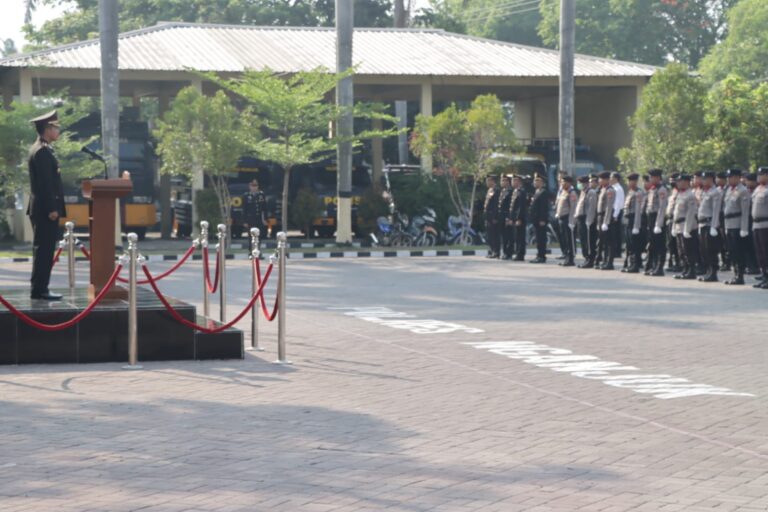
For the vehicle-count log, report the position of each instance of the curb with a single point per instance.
(309, 255)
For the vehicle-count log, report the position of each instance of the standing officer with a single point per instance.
(618, 213)
(491, 210)
(505, 225)
(633, 209)
(255, 209)
(565, 212)
(685, 226)
(675, 263)
(539, 215)
(655, 209)
(760, 224)
(736, 214)
(721, 181)
(605, 215)
(46, 203)
(710, 206)
(518, 210)
(750, 181)
(581, 218)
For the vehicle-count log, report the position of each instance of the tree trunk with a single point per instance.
(472, 202)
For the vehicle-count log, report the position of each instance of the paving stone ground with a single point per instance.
(370, 417)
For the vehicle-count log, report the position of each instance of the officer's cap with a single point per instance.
(656, 172)
(616, 175)
(567, 178)
(674, 177)
(646, 177)
(593, 177)
(604, 175)
(699, 174)
(584, 179)
(254, 182)
(762, 171)
(51, 118)
(722, 175)
(707, 174)
(751, 177)
(633, 177)
(684, 177)
(733, 172)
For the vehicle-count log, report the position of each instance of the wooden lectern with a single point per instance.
(102, 195)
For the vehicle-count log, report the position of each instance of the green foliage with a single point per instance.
(669, 123)
(744, 52)
(737, 116)
(207, 206)
(207, 133)
(647, 31)
(307, 206)
(465, 143)
(372, 206)
(82, 22)
(414, 192)
(17, 134)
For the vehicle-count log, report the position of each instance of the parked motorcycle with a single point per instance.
(391, 232)
(423, 228)
(460, 231)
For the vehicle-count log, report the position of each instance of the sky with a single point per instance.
(12, 19)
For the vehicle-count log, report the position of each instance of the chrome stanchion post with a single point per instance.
(222, 250)
(255, 255)
(133, 340)
(69, 240)
(282, 238)
(204, 245)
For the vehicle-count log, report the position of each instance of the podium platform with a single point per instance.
(102, 336)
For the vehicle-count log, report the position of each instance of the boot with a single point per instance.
(709, 278)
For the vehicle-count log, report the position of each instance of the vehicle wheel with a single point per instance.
(429, 240)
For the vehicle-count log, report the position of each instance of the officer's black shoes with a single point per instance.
(761, 286)
(735, 281)
(506, 257)
(711, 278)
(587, 264)
(567, 263)
(519, 258)
(538, 260)
(491, 256)
(631, 270)
(561, 257)
(657, 273)
(607, 267)
(45, 296)
(689, 275)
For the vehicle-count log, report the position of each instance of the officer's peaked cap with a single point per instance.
(51, 118)
(656, 172)
(633, 177)
(605, 175)
(762, 171)
(733, 172)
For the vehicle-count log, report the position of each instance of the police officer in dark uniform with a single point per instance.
(46, 203)
(491, 210)
(505, 225)
(255, 208)
(518, 215)
(539, 216)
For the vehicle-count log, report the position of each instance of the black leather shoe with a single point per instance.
(657, 273)
(587, 264)
(633, 270)
(568, 263)
(46, 296)
(607, 267)
(711, 278)
(761, 286)
(735, 280)
(519, 258)
(506, 257)
(538, 260)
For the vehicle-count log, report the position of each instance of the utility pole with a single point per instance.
(567, 87)
(110, 85)
(110, 95)
(401, 107)
(345, 102)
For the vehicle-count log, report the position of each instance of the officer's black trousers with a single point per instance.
(541, 240)
(634, 257)
(710, 249)
(507, 239)
(686, 248)
(675, 256)
(737, 251)
(657, 248)
(604, 244)
(761, 248)
(566, 238)
(494, 236)
(616, 234)
(520, 242)
(588, 239)
(46, 234)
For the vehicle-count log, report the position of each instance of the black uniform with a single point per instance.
(46, 197)
(518, 210)
(507, 232)
(491, 210)
(254, 207)
(539, 217)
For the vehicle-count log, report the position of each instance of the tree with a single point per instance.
(9, 47)
(647, 31)
(292, 115)
(737, 117)
(465, 144)
(669, 123)
(744, 52)
(82, 22)
(201, 132)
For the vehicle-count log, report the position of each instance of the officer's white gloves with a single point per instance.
(743, 234)
(635, 231)
(686, 234)
(571, 226)
(712, 232)
(656, 230)
(604, 227)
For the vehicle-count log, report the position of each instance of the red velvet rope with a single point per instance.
(193, 325)
(269, 316)
(56, 256)
(215, 286)
(168, 272)
(85, 252)
(69, 323)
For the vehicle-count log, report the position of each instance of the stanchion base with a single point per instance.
(254, 349)
(133, 367)
(282, 362)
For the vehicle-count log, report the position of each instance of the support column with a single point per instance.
(377, 147)
(22, 227)
(198, 178)
(426, 111)
(164, 101)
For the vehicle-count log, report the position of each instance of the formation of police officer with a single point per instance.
(255, 208)
(699, 224)
(46, 203)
